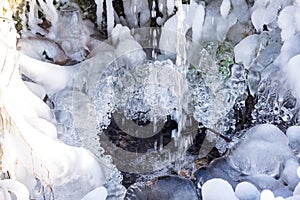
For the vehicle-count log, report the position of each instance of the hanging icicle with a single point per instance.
(110, 16)
(99, 12)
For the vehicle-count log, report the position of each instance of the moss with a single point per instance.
(88, 9)
(18, 11)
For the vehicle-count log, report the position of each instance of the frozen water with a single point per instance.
(267, 195)
(216, 83)
(261, 141)
(99, 193)
(246, 50)
(293, 133)
(215, 189)
(247, 191)
(225, 8)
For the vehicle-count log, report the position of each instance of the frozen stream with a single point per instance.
(162, 99)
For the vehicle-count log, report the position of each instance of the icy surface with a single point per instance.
(99, 193)
(268, 65)
(246, 191)
(264, 158)
(217, 189)
(246, 50)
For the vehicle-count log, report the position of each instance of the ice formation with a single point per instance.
(231, 65)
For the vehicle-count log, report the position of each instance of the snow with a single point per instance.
(216, 189)
(246, 191)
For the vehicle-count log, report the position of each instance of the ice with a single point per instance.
(288, 21)
(225, 8)
(99, 193)
(261, 140)
(36, 89)
(293, 134)
(216, 189)
(265, 13)
(126, 47)
(99, 11)
(297, 190)
(168, 38)
(131, 51)
(241, 10)
(289, 49)
(42, 49)
(292, 69)
(198, 22)
(296, 197)
(51, 77)
(289, 174)
(110, 16)
(170, 6)
(12, 188)
(247, 191)
(137, 13)
(246, 50)
(71, 33)
(267, 195)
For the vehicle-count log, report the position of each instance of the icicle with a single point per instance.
(49, 10)
(110, 16)
(33, 19)
(198, 22)
(99, 12)
(170, 6)
(180, 43)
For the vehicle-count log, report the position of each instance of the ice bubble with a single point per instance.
(216, 189)
(246, 191)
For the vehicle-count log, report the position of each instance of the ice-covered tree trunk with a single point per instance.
(31, 150)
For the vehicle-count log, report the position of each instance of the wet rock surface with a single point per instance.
(165, 187)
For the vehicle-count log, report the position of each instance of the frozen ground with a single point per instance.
(164, 99)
